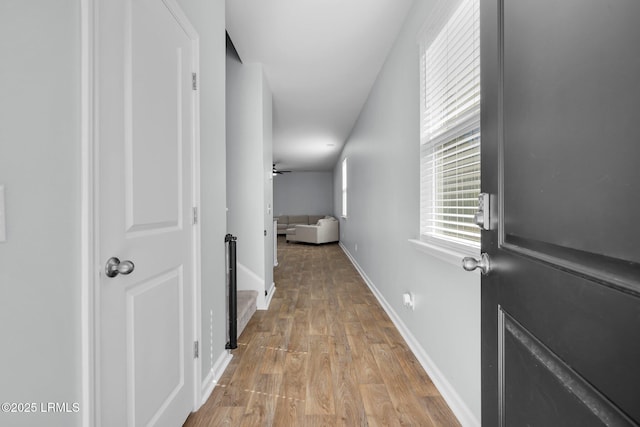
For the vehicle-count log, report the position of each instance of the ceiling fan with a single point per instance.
(277, 171)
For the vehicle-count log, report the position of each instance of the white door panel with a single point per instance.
(156, 84)
(146, 143)
(155, 360)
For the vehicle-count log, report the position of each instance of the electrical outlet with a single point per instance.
(356, 247)
(408, 300)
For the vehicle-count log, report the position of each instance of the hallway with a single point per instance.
(324, 354)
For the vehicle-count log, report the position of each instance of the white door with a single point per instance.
(146, 142)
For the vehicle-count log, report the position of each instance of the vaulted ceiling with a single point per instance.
(320, 59)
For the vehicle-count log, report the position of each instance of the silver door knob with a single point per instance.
(470, 264)
(115, 267)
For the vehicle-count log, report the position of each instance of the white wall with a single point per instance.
(383, 177)
(208, 17)
(267, 178)
(40, 288)
(249, 173)
(40, 165)
(303, 193)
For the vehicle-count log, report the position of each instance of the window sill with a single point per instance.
(452, 256)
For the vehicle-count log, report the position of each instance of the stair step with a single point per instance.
(246, 307)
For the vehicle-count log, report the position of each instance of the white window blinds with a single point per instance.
(450, 128)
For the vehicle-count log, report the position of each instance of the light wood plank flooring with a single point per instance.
(324, 354)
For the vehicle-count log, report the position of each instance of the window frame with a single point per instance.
(442, 20)
(344, 188)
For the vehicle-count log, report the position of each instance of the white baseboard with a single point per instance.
(270, 292)
(448, 392)
(209, 383)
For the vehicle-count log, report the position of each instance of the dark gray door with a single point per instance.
(561, 160)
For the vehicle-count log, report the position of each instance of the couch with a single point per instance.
(288, 221)
(326, 230)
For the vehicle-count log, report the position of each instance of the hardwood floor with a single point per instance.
(324, 354)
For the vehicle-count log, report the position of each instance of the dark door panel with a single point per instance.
(540, 389)
(571, 114)
(560, 153)
(591, 327)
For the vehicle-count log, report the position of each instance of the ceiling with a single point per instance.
(320, 58)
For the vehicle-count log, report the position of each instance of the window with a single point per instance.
(344, 187)
(450, 127)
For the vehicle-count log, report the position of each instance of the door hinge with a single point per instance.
(194, 81)
(195, 215)
(196, 349)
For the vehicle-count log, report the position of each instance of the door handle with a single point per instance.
(115, 267)
(470, 263)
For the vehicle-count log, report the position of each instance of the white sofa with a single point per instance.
(324, 231)
(289, 221)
